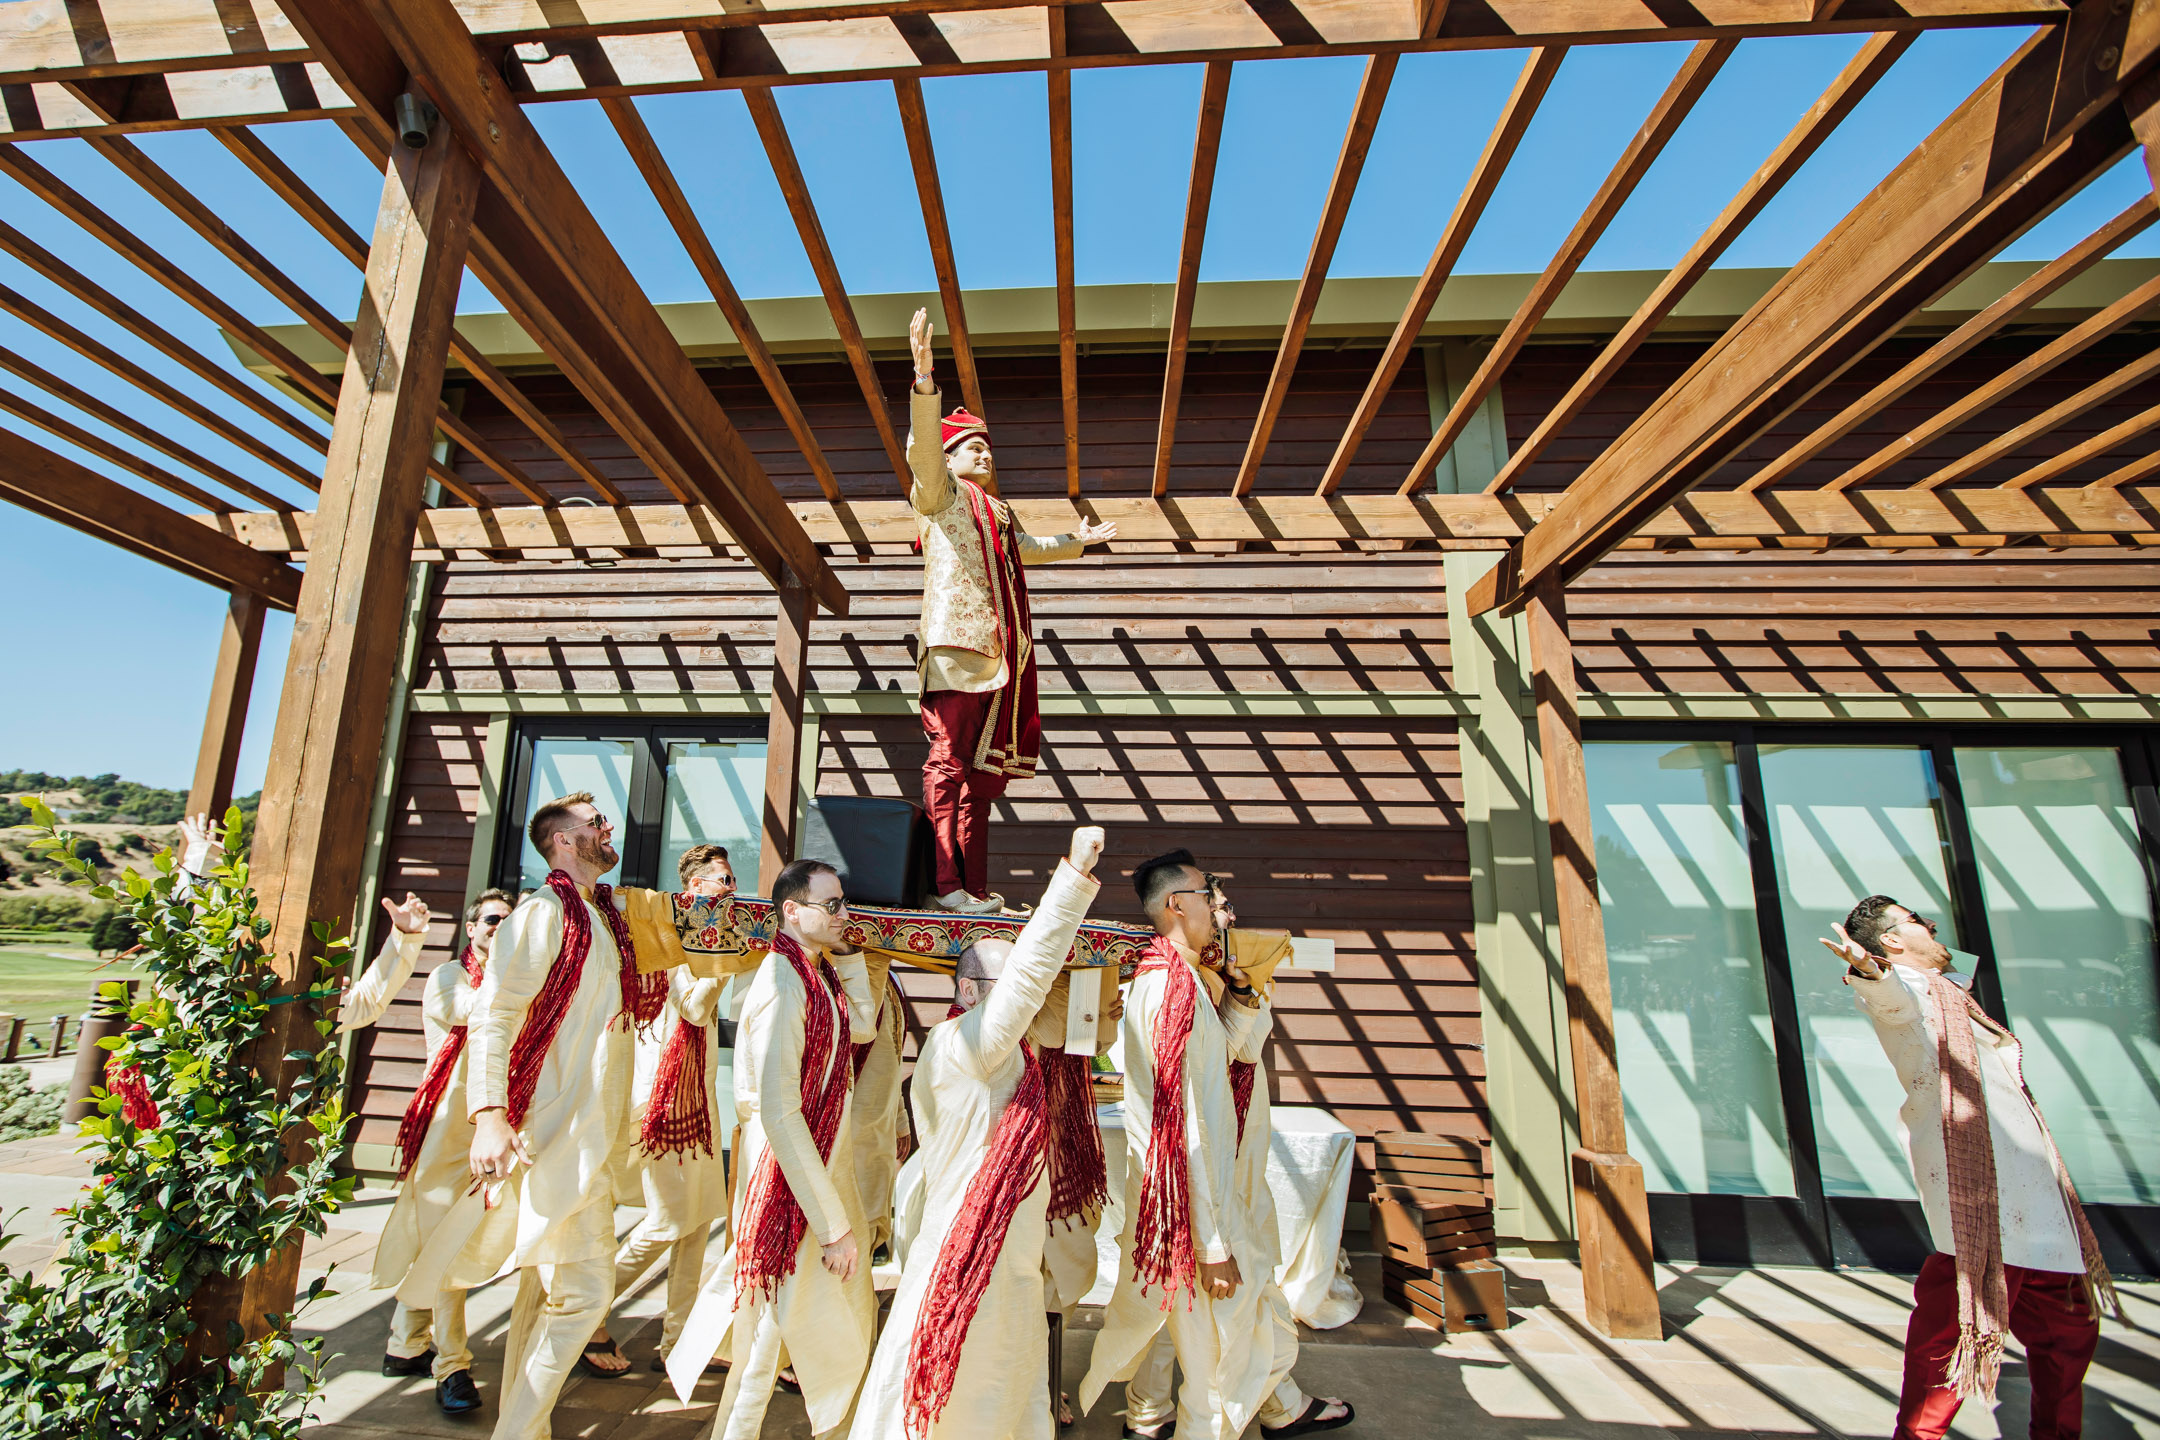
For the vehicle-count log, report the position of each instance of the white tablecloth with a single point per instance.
(1309, 1176)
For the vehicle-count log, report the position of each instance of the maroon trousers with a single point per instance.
(2048, 1315)
(956, 795)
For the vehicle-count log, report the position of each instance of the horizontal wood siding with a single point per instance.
(427, 851)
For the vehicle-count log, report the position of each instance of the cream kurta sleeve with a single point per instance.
(1888, 1000)
(525, 950)
(369, 996)
(451, 997)
(776, 1053)
(696, 1001)
(1203, 1132)
(1245, 1028)
(862, 1003)
(994, 1028)
(930, 487)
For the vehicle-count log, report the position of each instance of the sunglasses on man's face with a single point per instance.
(831, 907)
(491, 921)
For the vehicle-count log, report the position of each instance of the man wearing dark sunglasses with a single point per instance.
(2013, 1251)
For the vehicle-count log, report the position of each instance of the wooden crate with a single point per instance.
(1467, 1297)
(1418, 1161)
(1430, 1229)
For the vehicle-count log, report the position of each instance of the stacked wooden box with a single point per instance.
(1432, 1217)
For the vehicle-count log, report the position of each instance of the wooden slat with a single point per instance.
(2112, 438)
(287, 185)
(922, 155)
(56, 487)
(783, 728)
(539, 248)
(638, 140)
(1852, 85)
(1664, 121)
(765, 113)
(1611, 1213)
(2061, 413)
(232, 684)
(1199, 193)
(1349, 165)
(129, 160)
(1983, 397)
(51, 325)
(129, 425)
(1476, 521)
(1061, 237)
(1507, 133)
(2016, 301)
(2044, 124)
(35, 414)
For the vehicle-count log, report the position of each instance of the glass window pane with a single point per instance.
(1691, 1013)
(715, 796)
(564, 767)
(2070, 912)
(1847, 822)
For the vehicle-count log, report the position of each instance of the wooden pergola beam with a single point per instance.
(1985, 396)
(266, 165)
(1349, 165)
(1061, 245)
(2050, 119)
(34, 414)
(1664, 121)
(2061, 413)
(930, 192)
(54, 486)
(1199, 193)
(787, 170)
(663, 48)
(784, 729)
(232, 683)
(1715, 518)
(2086, 451)
(124, 156)
(134, 428)
(2021, 297)
(644, 151)
(1507, 133)
(538, 247)
(1851, 86)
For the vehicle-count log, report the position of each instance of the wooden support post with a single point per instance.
(13, 1047)
(783, 728)
(1612, 1213)
(230, 686)
(346, 630)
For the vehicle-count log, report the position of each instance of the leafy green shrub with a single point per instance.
(25, 1113)
(188, 1147)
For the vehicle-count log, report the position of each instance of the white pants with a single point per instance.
(558, 1308)
(1148, 1394)
(415, 1332)
(686, 1266)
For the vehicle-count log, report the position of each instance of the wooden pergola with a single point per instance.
(469, 182)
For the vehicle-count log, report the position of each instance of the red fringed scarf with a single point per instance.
(1011, 1169)
(773, 1219)
(642, 995)
(420, 1111)
(1976, 1207)
(678, 1118)
(1162, 1231)
(1241, 1083)
(1011, 743)
(1079, 1175)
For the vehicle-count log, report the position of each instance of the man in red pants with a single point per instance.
(976, 641)
(2013, 1252)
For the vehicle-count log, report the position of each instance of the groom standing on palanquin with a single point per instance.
(976, 657)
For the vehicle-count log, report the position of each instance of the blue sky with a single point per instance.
(112, 667)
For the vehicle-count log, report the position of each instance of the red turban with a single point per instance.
(960, 425)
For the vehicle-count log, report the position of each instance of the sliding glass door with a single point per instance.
(1749, 1074)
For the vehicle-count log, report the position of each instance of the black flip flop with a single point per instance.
(1308, 1423)
(586, 1367)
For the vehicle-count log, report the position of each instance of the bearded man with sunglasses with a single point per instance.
(2013, 1251)
(795, 1283)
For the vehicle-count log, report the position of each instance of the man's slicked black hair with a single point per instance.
(1156, 878)
(794, 881)
(1867, 922)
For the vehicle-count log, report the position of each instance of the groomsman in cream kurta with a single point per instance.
(967, 1323)
(796, 1278)
(1189, 1223)
(878, 1119)
(977, 665)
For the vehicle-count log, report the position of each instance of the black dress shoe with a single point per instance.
(456, 1394)
(408, 1364)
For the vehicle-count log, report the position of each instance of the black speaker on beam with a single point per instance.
(880, 846)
